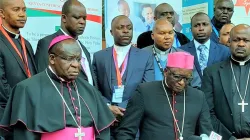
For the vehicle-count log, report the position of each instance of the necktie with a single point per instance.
(84, 66)
(203, 57)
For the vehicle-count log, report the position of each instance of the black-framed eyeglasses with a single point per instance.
(178, 78)
(69, 58)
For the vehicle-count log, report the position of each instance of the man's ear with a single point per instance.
(63, 18)
(52, 59)
(2, 14)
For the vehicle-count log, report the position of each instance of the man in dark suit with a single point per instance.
(73, 22)
(119, 69)
(17, 57)
(226, 86)
(168, 109)
(205, 51)
(162, 10)
(223, 13)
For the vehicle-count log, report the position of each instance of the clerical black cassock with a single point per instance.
(149, 110)
(241, 118)
(36, 111)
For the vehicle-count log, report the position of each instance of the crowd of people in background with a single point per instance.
(164, 87)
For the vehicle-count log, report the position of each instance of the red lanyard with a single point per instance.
(119, 73)
(17, 51)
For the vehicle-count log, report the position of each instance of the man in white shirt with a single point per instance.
(121, 68)
(73, 22)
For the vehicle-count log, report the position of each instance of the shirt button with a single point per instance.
(73, 99)
(176, 110)
(175, 102)
(76, 108)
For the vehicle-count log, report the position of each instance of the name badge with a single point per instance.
(118, 94)
(215, 136)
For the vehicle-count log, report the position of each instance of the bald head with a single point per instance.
(239, 29)
(240, 42)
(73, 20)
(68, 6)
(224, 33)
(13, 14)
(163, 34)
(164, 10)
(122, 30)
(162, 22)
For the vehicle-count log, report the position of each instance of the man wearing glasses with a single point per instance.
(55, 104)
(169, 108)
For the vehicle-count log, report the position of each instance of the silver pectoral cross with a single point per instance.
(79, 134)
(242, 105)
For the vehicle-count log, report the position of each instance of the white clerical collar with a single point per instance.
(197, 44)
(241, 63)
(16, 35)
(55, 74)
(122, 49)
(158, 51)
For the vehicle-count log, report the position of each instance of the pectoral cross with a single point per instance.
(242, 105)
(79, 134)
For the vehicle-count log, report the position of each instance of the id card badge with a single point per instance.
(118, 94)
(215, 136)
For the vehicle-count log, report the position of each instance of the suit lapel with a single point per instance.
(131, 63)
(212, 53)
(108, 62)
(226, 78)
(192, 50)
(12, 50)
(31, 54)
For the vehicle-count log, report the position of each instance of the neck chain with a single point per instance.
(183, 119)
(238, 90)
(158, 59)
(78, 96)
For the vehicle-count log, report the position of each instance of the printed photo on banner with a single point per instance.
(140, 12)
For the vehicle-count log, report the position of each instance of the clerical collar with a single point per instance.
(56, 74)
(122, 49)
(11, 34)
(241, 63)
(66, 33)
(158, 51)
(197, 44)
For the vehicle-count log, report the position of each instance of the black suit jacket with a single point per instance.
(12, 70)
(145, 39)
(217, 86)
(41, 56)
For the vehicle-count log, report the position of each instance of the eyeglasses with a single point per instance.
(69, 58)
(177, 77)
